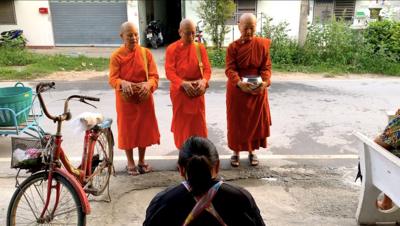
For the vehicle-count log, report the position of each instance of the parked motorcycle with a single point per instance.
(154, 36)
(12, 38)
(199, 33)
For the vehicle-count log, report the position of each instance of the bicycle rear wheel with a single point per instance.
(29, 199)
(102, 162)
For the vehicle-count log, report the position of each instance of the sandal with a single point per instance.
(253, 159)
(132, 171)
(383, 209)
(145, 168)
(235, 161)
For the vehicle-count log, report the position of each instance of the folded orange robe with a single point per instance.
(189, 116)
(137, 123)
(248, 116)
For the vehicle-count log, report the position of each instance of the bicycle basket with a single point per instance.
(26, 153)
(15, 104)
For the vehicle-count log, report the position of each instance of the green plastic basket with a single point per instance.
(17, 99)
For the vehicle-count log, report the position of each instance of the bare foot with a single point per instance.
(384, 204)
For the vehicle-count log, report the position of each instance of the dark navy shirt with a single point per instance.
(234, 204)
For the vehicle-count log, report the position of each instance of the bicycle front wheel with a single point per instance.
(102, 162)
(30, 197)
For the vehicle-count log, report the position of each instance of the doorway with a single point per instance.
(168, 13)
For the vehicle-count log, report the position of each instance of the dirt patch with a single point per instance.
(217, 74)
(74, 75)
(313, 76)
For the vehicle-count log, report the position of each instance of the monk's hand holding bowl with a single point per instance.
(189, 89)
(260, 88)
(126, 87)
(201, 86)
(136, 87)
(245, 86)
(144, 91)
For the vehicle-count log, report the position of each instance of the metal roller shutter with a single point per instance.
(87, 22)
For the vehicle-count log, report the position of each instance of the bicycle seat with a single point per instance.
(87, 120)
(106, 123)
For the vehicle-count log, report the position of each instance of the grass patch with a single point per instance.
(38, 65)
(216, 57)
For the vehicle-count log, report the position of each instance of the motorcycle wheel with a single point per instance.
(154, 43)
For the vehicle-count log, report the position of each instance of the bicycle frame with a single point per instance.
(69, 172)
(77, 177)
(84, 173)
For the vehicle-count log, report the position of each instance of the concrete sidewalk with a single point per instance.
(286, 194)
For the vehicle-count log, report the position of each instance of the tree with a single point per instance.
(215, 14)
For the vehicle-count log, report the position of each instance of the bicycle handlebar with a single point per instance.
(44, 86)
(91, 98)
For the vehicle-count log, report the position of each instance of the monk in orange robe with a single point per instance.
(188, 84)
(248, 114)
(136, 118)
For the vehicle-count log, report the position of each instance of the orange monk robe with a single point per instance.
(248, 116)
(137, 123)
(188, 113)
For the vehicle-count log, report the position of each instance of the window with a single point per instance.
(325, 9)
(7, 12)
(243, 6)
(345, 9)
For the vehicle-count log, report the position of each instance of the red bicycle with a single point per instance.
(56, 192)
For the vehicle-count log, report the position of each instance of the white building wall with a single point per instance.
(191, 10)
(133, 15)
(133, 11)
(37, 27)
(280, 11)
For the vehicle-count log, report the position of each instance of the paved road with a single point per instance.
(311, 117)
(311, 153)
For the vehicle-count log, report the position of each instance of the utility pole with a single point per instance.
(304, 9)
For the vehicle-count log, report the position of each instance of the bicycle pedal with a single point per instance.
(90, 190)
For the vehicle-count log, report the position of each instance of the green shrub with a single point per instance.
(217, 57)
(16, 57)
(384, 36)
(336, 48)
(332, 43)
(284, 50)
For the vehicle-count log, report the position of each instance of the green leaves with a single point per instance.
(384, 36)
(215, 14)
(336, 48)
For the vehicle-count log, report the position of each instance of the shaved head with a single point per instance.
(129, 34)
(186, 23)
(247, 26)
(187, 30)
(247, 17)
(126, 26)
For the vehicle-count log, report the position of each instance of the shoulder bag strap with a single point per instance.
(204, 203)
(198, 53)
(144, 56)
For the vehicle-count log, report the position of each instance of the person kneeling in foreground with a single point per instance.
(202, 199)
(390, 140)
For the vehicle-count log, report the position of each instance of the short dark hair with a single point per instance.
(198, 156)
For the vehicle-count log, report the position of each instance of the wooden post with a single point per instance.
(304, 8)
